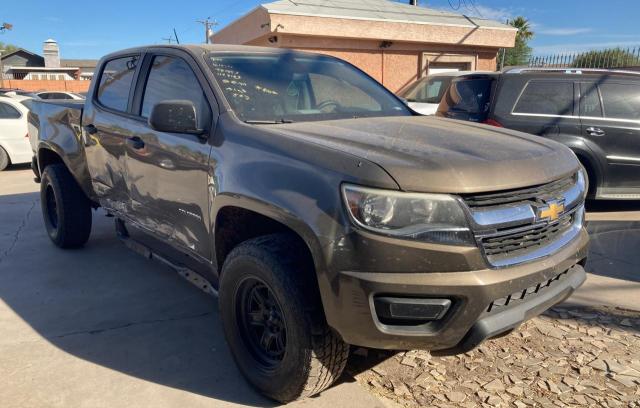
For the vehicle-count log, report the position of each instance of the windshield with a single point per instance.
(290, 88)
(427, 90)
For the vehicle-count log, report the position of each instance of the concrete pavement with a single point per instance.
(104, 327)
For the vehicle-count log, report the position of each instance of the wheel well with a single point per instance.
(591, 174)
(235, 225)
(47, 157)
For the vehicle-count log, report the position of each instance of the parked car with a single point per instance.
(424, 95)
(14, 138)
(59, 95)
(319, 207)
(18, 92)
(594, 112)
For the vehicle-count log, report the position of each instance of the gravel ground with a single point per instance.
(567, 357)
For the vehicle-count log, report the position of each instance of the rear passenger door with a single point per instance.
(168, 173)
(610, 115)
(107, 121)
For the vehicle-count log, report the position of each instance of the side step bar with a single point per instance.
(189, 275)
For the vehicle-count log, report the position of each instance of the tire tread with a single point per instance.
(328, 352)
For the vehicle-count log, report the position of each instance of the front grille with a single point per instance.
(510, 228)
(553, 189)
(513, 242)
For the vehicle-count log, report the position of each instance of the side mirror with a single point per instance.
(175, 116)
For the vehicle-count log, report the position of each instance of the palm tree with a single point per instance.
(521, 52)
(523, 26)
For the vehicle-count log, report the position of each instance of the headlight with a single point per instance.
(583, 182)
(436, 218)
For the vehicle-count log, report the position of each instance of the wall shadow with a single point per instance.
(613, 250)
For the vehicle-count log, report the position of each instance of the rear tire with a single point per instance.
(4, 159)
(284, 349)
(65, 208)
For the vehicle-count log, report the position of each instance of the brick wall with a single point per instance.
(37, 85)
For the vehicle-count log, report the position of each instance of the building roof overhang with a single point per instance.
(367, 19)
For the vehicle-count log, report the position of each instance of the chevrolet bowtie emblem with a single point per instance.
(552, 211)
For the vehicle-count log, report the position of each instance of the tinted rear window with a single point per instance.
(546, 98)
(468, 95)
(8, 112)
(621, 101)
(115, 82)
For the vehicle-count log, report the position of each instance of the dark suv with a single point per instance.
(594, 112)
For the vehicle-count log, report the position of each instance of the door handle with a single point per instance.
(91, 129)
(594, 131)
(135, 142)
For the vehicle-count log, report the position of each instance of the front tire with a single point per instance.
(273, 320)
(65, 208)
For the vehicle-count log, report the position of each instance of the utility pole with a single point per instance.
(208, 28)
(167, 39)
(1, 69)
(4, 27)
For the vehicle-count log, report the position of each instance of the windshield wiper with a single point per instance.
(268, 122)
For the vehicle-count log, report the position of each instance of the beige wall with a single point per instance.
(396, 66)
(259, 22)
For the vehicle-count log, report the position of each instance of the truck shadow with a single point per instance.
(110, 307)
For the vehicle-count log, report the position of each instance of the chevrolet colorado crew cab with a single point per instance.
(319, 207)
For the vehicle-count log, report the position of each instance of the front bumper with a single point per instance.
(484, 303)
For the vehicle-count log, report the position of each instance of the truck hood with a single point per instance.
(429, 154)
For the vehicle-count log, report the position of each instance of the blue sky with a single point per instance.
(91, 29)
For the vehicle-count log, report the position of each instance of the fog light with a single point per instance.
(406, 311)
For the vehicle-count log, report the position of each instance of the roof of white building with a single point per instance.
(378, 10)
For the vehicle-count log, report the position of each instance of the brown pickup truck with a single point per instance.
(322, 210)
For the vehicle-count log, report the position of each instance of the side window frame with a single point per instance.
(574, 93)
(582, 87)
(15, 109)
(145, 70)
(94, 96)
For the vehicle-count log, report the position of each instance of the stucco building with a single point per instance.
(395, 43)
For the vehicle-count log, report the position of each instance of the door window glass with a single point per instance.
(547, 98)
(621, 101)
(8, 112)
(172, 79)
(590, 101)
(115, 82)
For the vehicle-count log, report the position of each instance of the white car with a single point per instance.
(59, 95)
(14, 138)
(423, 96)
